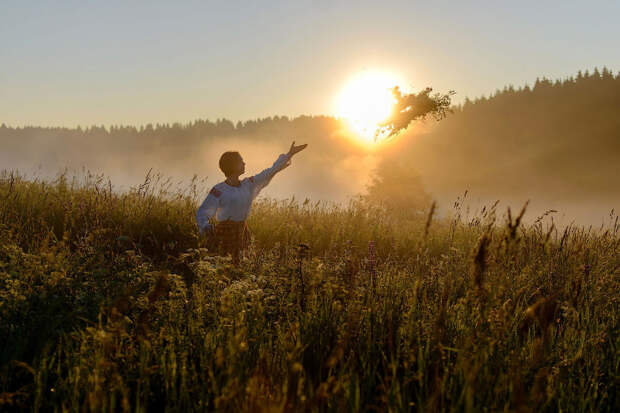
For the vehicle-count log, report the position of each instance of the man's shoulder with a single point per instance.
(217, 189)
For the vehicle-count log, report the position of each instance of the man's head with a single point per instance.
(231, 163)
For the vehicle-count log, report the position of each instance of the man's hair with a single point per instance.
(227, 161)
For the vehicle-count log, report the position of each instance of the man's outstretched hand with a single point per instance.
(294, 149)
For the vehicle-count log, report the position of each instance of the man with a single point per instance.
(230, 201)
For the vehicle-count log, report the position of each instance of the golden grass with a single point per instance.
(110, 302)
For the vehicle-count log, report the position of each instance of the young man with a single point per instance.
(230, 201)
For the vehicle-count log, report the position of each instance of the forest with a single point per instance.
(554, 142)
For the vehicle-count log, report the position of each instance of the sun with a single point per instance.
(366, 100)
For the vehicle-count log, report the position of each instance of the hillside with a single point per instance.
(559, 141)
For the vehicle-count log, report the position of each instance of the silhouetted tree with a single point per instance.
(410, 107)
(398, 187)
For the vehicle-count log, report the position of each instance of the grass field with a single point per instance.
(110, 302)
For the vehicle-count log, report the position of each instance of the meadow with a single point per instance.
(110, 301)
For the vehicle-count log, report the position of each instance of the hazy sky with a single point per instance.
(108, 62)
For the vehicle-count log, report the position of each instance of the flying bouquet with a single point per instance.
(410, 107)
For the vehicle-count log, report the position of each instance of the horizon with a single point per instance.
(80, 64)
(188, 123)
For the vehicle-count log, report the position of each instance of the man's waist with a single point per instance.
(230, 222)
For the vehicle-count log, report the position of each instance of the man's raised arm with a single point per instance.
(262, 179)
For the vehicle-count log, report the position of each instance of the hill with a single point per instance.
(558, 142)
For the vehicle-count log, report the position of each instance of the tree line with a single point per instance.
(556, 139)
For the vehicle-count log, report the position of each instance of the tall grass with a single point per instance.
(109, 301)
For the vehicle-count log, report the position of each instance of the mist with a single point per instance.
(332, 169)
(556, 144)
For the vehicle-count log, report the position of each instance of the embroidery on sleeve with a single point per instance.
(215, 192)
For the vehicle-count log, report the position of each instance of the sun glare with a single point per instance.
(365, 101)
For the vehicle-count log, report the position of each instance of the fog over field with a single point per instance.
(555, 143)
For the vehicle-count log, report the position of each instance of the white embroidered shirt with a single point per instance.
(234, 202)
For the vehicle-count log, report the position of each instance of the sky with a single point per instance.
(69, 63)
